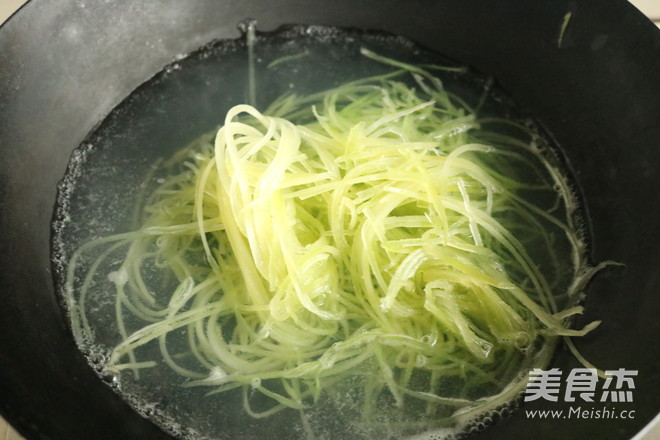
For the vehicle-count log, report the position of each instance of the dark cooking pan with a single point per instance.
(594, 84)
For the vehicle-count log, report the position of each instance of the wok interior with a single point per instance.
(598, 100)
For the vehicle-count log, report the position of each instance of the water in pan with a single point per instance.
(110, 170)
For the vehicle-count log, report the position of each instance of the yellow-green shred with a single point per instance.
(380, 229)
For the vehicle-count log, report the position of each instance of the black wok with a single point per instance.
(595, 86)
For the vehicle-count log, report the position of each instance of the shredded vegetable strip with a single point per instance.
(380, 228)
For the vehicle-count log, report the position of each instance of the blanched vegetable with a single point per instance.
(380, 230)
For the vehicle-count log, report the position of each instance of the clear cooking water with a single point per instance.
(189, 97)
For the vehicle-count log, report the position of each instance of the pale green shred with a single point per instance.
(562, 29)
(380, 228)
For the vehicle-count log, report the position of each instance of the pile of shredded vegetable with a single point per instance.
(379, 230)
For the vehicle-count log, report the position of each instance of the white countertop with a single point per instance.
(7, 7)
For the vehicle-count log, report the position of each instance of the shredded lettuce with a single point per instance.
(381, 229)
